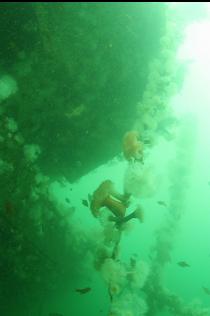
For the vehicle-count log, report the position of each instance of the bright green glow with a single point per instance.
(195, 96)
(197, 44)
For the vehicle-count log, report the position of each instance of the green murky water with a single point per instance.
(104, 159)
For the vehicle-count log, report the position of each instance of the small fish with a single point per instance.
(67, 200)
(162, 203)
(135, 255)
(183, 264)
(132, 262)
(84, 290)
(206, 290)
(85, 203)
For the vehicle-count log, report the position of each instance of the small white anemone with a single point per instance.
(11, 125)
(5, 167)
(8, 86)
(128, 303)
(113, 272)
(139, 275)
(114, 289)
(32, 152)
(139, 180)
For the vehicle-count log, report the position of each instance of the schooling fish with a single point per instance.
(85, 203)
(206, 290)
(183, 264)
(84, 290)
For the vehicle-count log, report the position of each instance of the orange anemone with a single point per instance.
(106, 196)
(132, 147)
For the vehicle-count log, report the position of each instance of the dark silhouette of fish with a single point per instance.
(132, 262)
(206, 290)
(85, 203)
(162, 203)
(84, 290)
(183, 264)
(67, 200)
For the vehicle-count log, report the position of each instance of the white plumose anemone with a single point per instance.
(139, 180)
(8, 86)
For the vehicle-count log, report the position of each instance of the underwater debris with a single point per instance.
(206, 290)
(162, 203)
(85, 203)
(132, 147)
(183, 264)
(106, 196)
(83, 290)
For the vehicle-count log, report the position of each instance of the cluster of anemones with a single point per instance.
(123, 280)
(107, 196)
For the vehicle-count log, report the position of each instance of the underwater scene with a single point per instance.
(105, 159)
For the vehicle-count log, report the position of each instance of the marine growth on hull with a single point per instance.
(98, 145)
